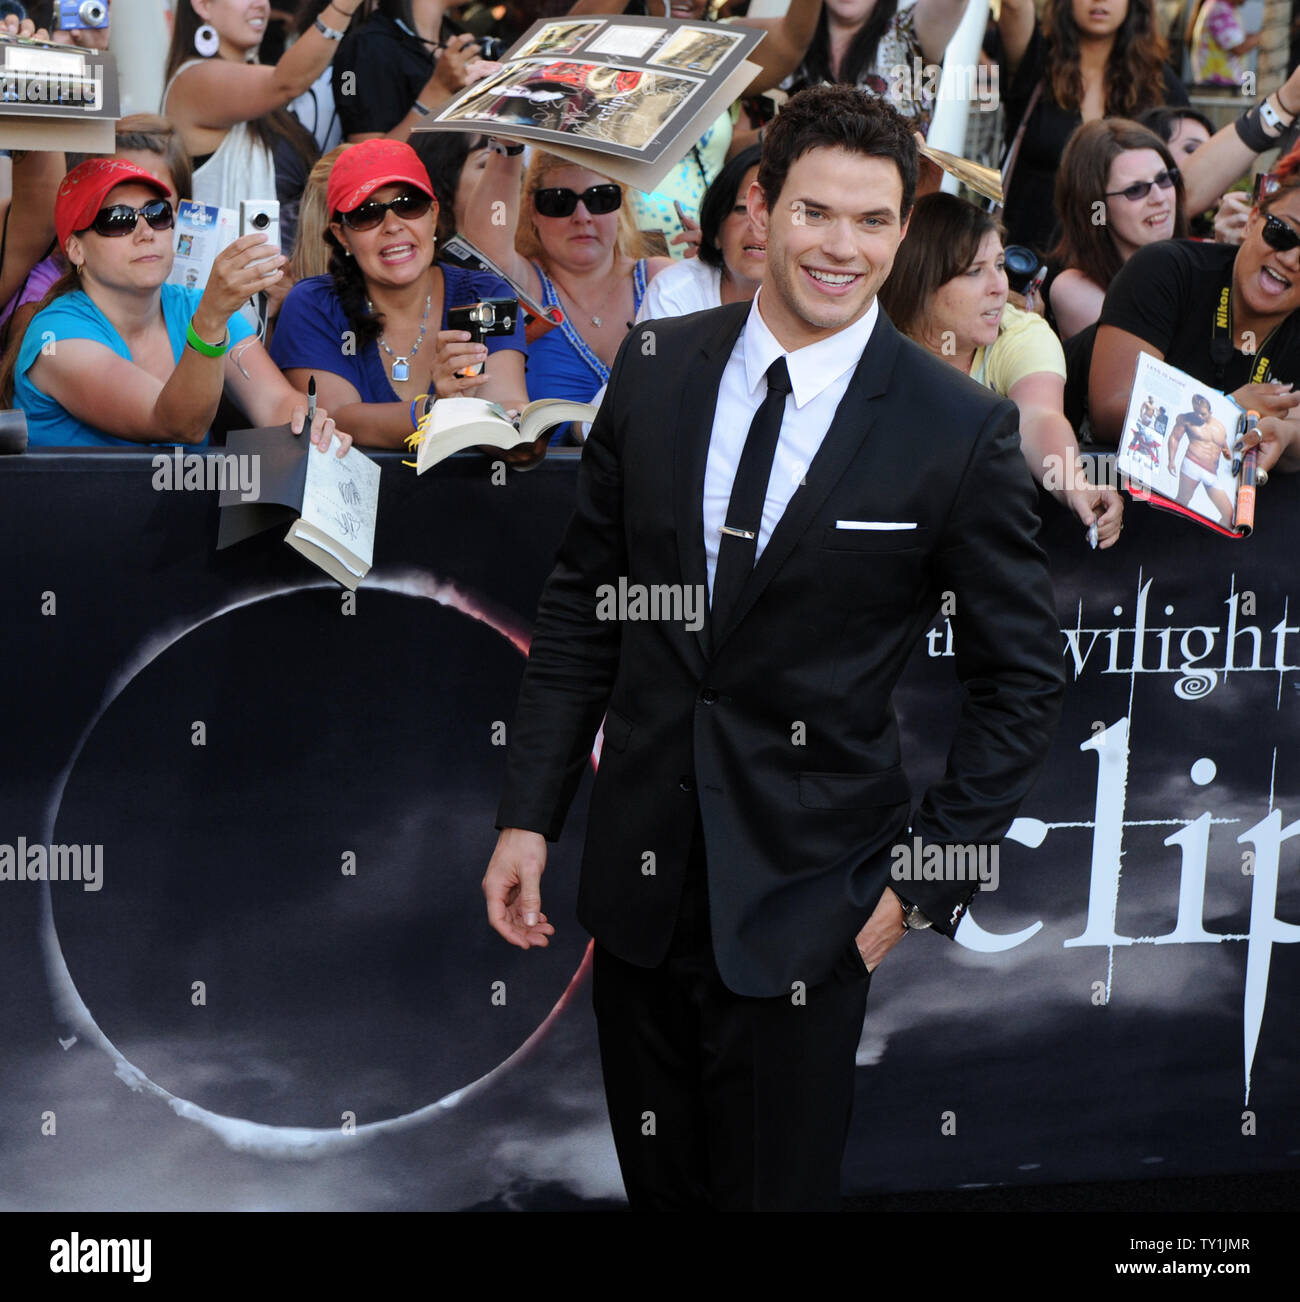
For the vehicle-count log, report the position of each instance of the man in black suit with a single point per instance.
(738, 860)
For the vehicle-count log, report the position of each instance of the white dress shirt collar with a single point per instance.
(812, 367)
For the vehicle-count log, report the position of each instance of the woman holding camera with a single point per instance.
(374, 331)
(948, 291)
(116, 357)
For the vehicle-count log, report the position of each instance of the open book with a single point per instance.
(329, 502)
(1177, 449)
(454, 424)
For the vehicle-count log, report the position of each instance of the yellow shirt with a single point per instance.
(1025, 345)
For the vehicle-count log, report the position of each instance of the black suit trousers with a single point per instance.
(717, 1100)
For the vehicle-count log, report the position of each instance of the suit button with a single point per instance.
(687, 784)
(708, 696)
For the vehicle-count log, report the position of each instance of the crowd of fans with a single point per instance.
(1107, 171)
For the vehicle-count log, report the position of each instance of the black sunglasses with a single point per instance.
(372, 212)
(556, 201)
(1278, 235)
(121, 218)
(1138, 190)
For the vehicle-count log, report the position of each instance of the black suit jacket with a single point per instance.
(779, 726)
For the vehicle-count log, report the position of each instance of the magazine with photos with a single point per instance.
(202, 231)
(623, 96)
(1176, 449)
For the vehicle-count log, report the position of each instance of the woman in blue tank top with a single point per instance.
(571, 242)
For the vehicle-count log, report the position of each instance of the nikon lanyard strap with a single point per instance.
(1223, 342)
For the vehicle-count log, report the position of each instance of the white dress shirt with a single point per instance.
(687, 286)
(819, 377)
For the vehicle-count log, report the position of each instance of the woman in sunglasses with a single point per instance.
(116, 357)
(570, 241)
(948, 291)
(374, 331)
(1227, 316)
(1117, 190)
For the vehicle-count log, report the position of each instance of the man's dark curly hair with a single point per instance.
(837, 117)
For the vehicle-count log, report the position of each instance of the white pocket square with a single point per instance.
(875, 524)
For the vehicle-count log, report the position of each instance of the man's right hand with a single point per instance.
(512, 888)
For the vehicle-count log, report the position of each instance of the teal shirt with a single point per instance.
(75, 316)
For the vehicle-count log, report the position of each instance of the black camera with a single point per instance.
(491, 48)
(1022, 266)
(489, 316)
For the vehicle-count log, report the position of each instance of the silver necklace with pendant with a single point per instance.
(595, 320)
(401, 365)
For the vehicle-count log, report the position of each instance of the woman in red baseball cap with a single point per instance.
(116, 357)
(374, 331)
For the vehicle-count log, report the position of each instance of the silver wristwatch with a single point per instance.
(913, 918)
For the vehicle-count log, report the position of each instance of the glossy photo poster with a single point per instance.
(622, 91)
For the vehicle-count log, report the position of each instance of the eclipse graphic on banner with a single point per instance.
(1194, 660)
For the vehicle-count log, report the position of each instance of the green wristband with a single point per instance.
(202, 346)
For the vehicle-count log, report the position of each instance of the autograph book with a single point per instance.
(1177, 449)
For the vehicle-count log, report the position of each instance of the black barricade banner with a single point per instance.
(245, 816)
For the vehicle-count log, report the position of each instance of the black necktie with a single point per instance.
(739, 540)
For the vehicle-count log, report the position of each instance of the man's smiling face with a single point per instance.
(831, 239)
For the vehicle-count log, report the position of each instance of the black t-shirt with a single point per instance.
(1030, 212)
(1168, 293)
(379, 71)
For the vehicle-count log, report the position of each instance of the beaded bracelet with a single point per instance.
(428, 401)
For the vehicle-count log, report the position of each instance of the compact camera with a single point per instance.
(260, 217)
(489, 316)
(80, 14)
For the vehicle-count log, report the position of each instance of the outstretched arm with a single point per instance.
(935, 22)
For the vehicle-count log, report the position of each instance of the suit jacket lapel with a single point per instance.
(852, 423)
(699, 400)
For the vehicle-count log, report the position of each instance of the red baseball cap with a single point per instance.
(363, 168)
(82, 193)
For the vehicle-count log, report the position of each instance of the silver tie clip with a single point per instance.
(737, 533)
